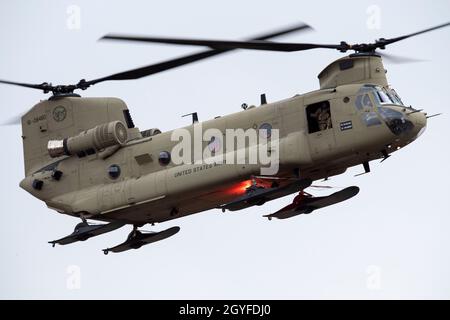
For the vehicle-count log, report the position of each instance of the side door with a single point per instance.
(322, 140)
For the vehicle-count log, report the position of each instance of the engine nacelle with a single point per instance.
(90, 141)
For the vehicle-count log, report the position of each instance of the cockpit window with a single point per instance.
(387, 95)
(394, 119)
(383, 95)
(363, 102)
(370, 119)
(368, 115)
(396, 96)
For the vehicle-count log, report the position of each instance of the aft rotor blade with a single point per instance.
(12, 121)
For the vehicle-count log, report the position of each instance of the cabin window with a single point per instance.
(114, 171)
(164, 158)
(319, 116)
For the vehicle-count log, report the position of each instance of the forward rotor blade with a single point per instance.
(392, 40)
(153, 68)
(283, 31)
(170, 64)
(156, 68)
(268, 45)
(229, 45)
(398, 59)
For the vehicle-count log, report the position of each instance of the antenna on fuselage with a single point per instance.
(263, 99)
(194, 116)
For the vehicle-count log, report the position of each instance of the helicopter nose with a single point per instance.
(419, 119)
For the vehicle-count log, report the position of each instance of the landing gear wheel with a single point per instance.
(137, 239)
(105, 252)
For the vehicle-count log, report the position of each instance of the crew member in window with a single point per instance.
(323, 117)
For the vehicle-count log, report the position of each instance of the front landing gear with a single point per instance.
(137, 239)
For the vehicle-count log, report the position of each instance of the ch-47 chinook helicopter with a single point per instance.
(84, 157)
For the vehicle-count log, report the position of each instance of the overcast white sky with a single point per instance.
(391, 241)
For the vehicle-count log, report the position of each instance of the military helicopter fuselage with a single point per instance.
(99, 166)
(84, 157)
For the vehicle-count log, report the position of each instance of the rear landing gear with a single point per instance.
(133, 235)
(137, 239)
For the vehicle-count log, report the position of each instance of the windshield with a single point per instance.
(384, 95)
(395, 96)
(382, 98)
(387, 96)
